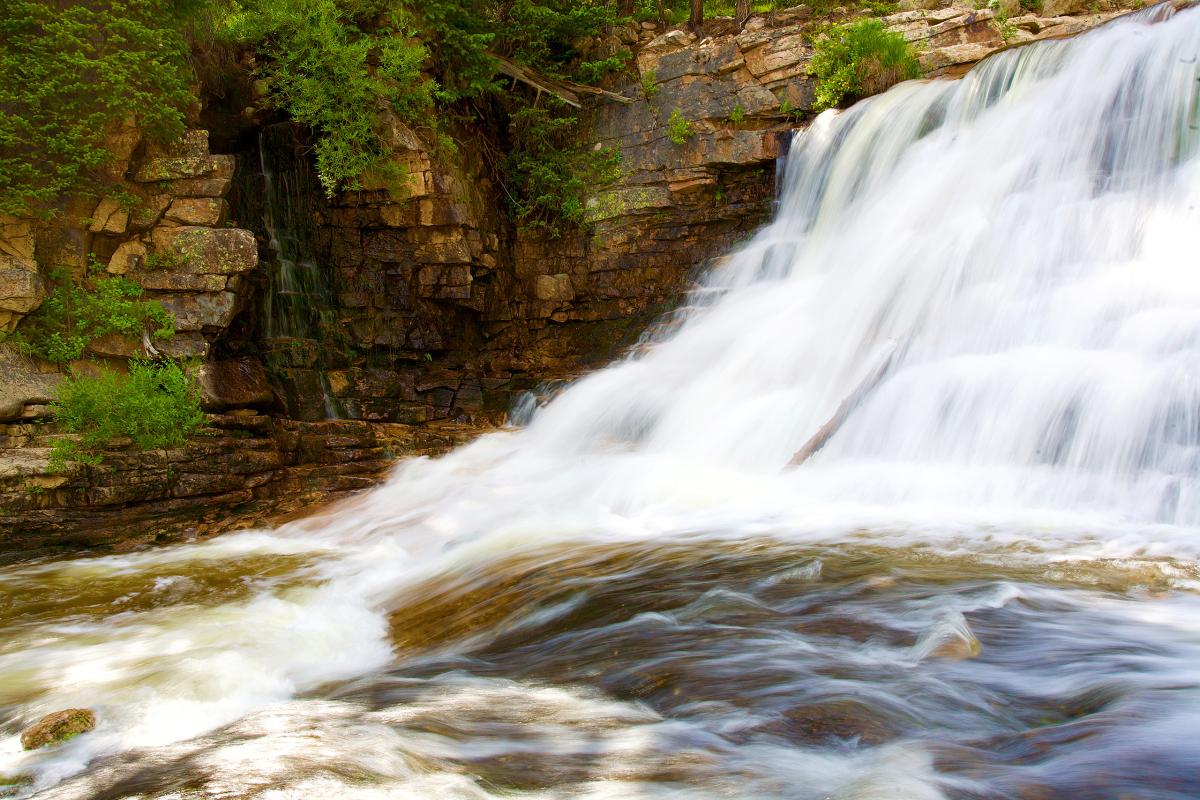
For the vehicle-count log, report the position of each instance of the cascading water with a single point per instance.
(983, 585)
(298, 308)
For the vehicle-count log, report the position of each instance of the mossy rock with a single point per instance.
(58, 727)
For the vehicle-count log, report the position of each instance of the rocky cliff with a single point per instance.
(413, 312)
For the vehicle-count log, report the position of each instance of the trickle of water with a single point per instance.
(982, 585)
(298, 308)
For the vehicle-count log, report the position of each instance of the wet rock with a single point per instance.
(58, 727)
(235, 383)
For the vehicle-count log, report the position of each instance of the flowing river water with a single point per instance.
(984, 585)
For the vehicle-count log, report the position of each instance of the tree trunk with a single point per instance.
(741, 12)
(625, 8)
(662, 12)
(696, 19)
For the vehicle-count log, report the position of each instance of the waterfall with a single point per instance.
(984, 293)
(1024, 239)
(298, 313)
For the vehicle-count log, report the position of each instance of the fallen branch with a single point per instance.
(566, 91)
(848, 404)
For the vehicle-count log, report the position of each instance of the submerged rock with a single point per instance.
(58, 727)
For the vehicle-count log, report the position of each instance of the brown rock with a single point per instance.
(208, 211)
(215, 251)
(22, 383)
(128, 256)
(195, 312)
(232, 384)
(21, 291)
(109, 217)
(149, 211)
(58, 727)
(553, 287)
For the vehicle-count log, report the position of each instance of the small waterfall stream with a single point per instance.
(986, 583)
(298, 314)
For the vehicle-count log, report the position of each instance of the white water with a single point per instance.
(1027, 239)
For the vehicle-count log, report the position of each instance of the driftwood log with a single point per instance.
(848, 404)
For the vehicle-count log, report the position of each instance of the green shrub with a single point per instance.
(156, 405)
(71, 72)
(738, 114)
(549, 178)
(649, 84)
(326, 69)
(679, 129)
(72, 317)
(857, 60)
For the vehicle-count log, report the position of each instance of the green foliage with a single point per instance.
(72, 72)
(327, 69)
(591, 72)
(72, 317)
(857, 60)
(540, 34)
(649, 84)
(156, 404)
(679, 129)
(738, 114)
(549, 178)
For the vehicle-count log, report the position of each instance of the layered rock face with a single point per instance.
(413, 309)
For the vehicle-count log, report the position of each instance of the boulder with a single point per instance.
(58, 727)
(22, 383)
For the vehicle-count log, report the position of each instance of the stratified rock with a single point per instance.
(58, 727)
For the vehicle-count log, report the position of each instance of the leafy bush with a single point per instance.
(72, 317)
(326, 69)
(156, 404)
(70, 72)
(857, 60)
(550, 179)
(679, 129)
